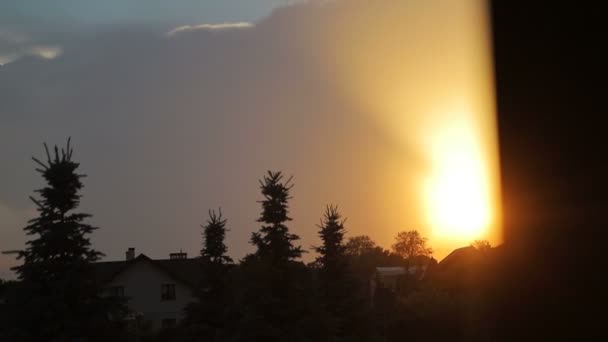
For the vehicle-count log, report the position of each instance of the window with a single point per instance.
(167, 292)
(168, 323)
(116, 291)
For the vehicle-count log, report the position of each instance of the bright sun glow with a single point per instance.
(456, 193)
(434, 98)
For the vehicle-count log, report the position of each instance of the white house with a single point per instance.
(156, 290)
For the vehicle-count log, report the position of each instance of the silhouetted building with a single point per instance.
(464, 269)
(393, 278)
(157, 291)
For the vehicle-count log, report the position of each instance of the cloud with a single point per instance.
(208, 27)
(14, 45)
(46, 52)
(6, 58)
(42, 51)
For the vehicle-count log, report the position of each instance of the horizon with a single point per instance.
(214, 100)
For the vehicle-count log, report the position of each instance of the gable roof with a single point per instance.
(465, 268)
(463, 255)
(187, 271)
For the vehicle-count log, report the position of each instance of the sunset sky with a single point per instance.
(384, 107)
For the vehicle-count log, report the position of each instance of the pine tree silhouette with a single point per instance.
(206, 318)
(60, 298)
(337, 285)
(274, 241)
(276, 303)
(214, 233)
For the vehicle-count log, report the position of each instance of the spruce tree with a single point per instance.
(332, 252)
(214, 233)
(275, 304)
(274, 241)
(206, 317)
(59, 295)
(337, 285)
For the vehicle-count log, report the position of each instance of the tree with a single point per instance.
(338, 290)
(214, 233)
(365, 255)
(59, 298)
(481, 245)
(206, 317)
(4, 313)
(331, 232)
(410, 244)
(412, 247)
(274, 241)
(359, 245)
(276, 304)
(332, 260)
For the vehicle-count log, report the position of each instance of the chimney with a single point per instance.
(180, 255)
(130, 253)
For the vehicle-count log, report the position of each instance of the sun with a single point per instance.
(457, 196)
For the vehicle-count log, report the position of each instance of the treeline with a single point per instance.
(270, 295)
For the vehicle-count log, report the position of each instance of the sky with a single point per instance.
(178, 107)
(101, 13)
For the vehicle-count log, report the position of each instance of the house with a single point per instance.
(393, 278)
(157, 291)
(466, 268)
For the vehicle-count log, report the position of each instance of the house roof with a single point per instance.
(465, 267)
(187, 271)
(458, 256)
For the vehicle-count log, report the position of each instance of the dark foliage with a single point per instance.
(332, 256)
(214, 234)
(338, 291)
(274, 241)
(276, 302)
(410, 244)
(364, 256)
(481, 245)
(268, 296)
(206, 318)
(57, 298)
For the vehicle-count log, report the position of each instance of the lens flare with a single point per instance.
(457, 195)
(422, 72)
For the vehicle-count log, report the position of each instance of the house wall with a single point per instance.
(142, 286)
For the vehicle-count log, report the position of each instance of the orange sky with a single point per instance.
(422, 72)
